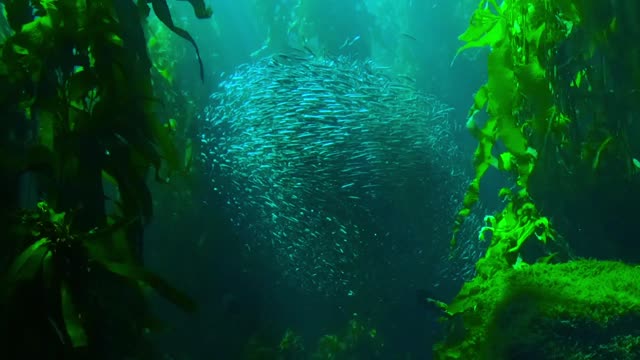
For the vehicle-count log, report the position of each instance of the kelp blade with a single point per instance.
(158, 284)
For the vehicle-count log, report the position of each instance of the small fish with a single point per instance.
(298, 148)
(348, 42)
(408, 36)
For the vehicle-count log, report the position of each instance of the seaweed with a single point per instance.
(82, 138)
(546, 128)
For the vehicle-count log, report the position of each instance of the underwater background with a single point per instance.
(319, 179)
(258, 274)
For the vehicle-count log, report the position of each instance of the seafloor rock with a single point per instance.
(584, 309)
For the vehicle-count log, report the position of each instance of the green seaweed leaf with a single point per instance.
(79, 84)
(72, 320)
(29, 262)
(485, 29)
(48, 271)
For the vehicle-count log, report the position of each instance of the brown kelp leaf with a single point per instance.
(163, 13)
(145, 276)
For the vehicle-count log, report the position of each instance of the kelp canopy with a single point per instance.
(81, 130)
(556, 114)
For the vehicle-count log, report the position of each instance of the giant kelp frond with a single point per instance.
(519, 94)
(58, 255)
(76, 73)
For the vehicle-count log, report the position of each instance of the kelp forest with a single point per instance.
(103, 135)
(84, 131)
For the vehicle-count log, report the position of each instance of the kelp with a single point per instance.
(520, 95)
(57, 255)
(527, 118)
(517, 97)
(357, 339)
(76, 73)
(161, 9)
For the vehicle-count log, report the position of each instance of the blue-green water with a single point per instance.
(332, 159)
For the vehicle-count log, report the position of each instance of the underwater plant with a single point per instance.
(529, 126)
(59, 258)
(80, 136)
(356, 340)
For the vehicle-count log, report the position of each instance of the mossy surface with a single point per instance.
(583, 308)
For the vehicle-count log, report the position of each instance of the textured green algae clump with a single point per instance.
(583, 309)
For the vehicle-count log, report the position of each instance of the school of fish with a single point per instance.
(309, 154)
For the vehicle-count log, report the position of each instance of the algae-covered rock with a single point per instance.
(582, 309)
